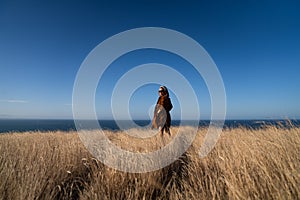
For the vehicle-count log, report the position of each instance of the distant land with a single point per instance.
(23, 125)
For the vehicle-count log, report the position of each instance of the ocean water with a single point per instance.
(23, 125)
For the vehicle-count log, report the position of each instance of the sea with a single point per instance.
(44, 125)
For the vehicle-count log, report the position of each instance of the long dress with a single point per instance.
(162, 117)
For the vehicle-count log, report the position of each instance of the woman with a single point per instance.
(162, 117)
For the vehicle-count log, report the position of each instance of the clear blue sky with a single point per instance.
(255, 44)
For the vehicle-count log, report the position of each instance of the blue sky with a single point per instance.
(255, 45)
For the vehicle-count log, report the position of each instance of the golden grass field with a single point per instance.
(245, 164)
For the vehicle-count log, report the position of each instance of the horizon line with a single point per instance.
(106, 119)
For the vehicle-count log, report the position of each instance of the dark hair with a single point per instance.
(164, 89)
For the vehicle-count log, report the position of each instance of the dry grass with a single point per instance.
(245, 164)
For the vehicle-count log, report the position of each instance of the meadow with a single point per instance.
(245, 164)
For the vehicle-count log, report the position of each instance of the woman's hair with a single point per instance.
(164, 89)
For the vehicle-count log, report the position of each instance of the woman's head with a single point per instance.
(163, 91)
